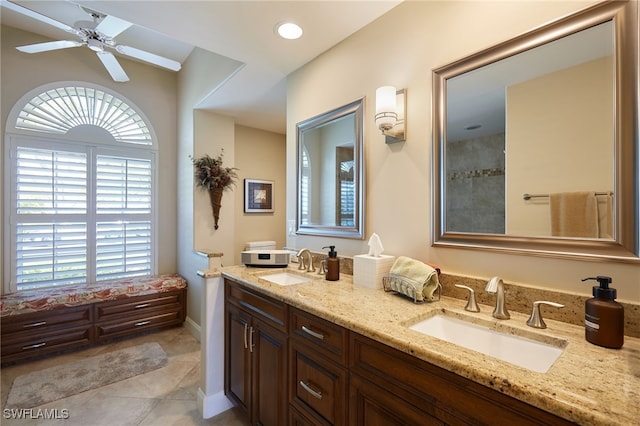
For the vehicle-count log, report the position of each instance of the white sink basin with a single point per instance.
(531, 354)
(285, 278)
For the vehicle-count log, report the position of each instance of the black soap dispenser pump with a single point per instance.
(603, 316)
(333, 264)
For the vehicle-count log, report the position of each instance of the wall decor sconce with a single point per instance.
(391, 105)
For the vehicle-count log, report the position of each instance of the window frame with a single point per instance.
(91, 139)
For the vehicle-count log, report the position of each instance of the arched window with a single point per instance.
(80, 189)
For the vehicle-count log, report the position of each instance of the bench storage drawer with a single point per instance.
(39, 333)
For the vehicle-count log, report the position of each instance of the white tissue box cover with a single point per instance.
(369, 270)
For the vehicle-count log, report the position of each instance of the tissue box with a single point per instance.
(369, 270)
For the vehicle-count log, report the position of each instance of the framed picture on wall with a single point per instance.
(258, 196)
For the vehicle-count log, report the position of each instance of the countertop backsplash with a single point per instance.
(519, 297)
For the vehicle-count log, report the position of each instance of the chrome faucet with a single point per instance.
(496, 286)
(310, 267)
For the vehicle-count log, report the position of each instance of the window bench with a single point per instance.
(37, 322)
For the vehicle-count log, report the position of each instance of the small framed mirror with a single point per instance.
(531, 123)
(330, 173)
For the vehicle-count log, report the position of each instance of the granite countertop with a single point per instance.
(587, 384)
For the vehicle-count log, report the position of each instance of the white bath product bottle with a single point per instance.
(603, 316)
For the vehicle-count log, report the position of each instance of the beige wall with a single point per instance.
(151, 90)
(559, 134)
(259, 155)
(401, 48)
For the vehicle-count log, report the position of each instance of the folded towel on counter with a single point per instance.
(424, 276)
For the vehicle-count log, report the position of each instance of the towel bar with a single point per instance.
(530, 196)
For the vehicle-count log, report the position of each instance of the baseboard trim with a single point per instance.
(193, 328)
(212, 405)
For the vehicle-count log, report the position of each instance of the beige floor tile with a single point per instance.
(167, 396)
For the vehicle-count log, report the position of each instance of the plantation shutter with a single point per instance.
(123, 210)
(51, 219)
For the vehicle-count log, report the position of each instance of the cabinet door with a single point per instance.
(237, 356)
(269, 374)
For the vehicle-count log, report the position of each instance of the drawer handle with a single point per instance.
(313, 333)
(37, 345)
(141, 323)
(35, 324)
(142, 305)
(313, 393)
(245, 335)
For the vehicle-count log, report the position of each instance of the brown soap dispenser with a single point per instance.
(333, 264)
(603, 316)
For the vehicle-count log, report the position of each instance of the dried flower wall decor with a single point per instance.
(210, 174)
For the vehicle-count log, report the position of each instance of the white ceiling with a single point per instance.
(240, 30)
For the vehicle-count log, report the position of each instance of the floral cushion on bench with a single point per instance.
(81, 294)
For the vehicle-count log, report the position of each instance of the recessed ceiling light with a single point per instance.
(289, 30)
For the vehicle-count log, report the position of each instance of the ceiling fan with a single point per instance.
(98, 35)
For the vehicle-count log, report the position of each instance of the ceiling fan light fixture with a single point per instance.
(289, 30)
(95, 45)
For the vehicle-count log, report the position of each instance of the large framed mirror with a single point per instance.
(529, 132)
(330, 173)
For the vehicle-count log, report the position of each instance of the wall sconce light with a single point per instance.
(390, 113)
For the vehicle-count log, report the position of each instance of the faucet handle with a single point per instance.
(535, 320)
(321, 267)
(471, 306)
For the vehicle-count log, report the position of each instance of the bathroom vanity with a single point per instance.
(320, 352)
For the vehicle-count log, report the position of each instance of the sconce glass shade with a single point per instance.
(386, 113)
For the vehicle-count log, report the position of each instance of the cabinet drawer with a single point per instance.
(264, 308)
(137, 306)
(329, 338)
(318, 386)
(47, 320)
(17, 347)
(124, 327)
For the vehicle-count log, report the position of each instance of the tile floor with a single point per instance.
(167, 396)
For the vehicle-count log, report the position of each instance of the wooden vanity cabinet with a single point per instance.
(388, 384)
(255, 354)
(286, 366)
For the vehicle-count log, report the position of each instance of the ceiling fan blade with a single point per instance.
(112, 26)
(113, 66)
(35, 15)
(149, 57)
(50, 45)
